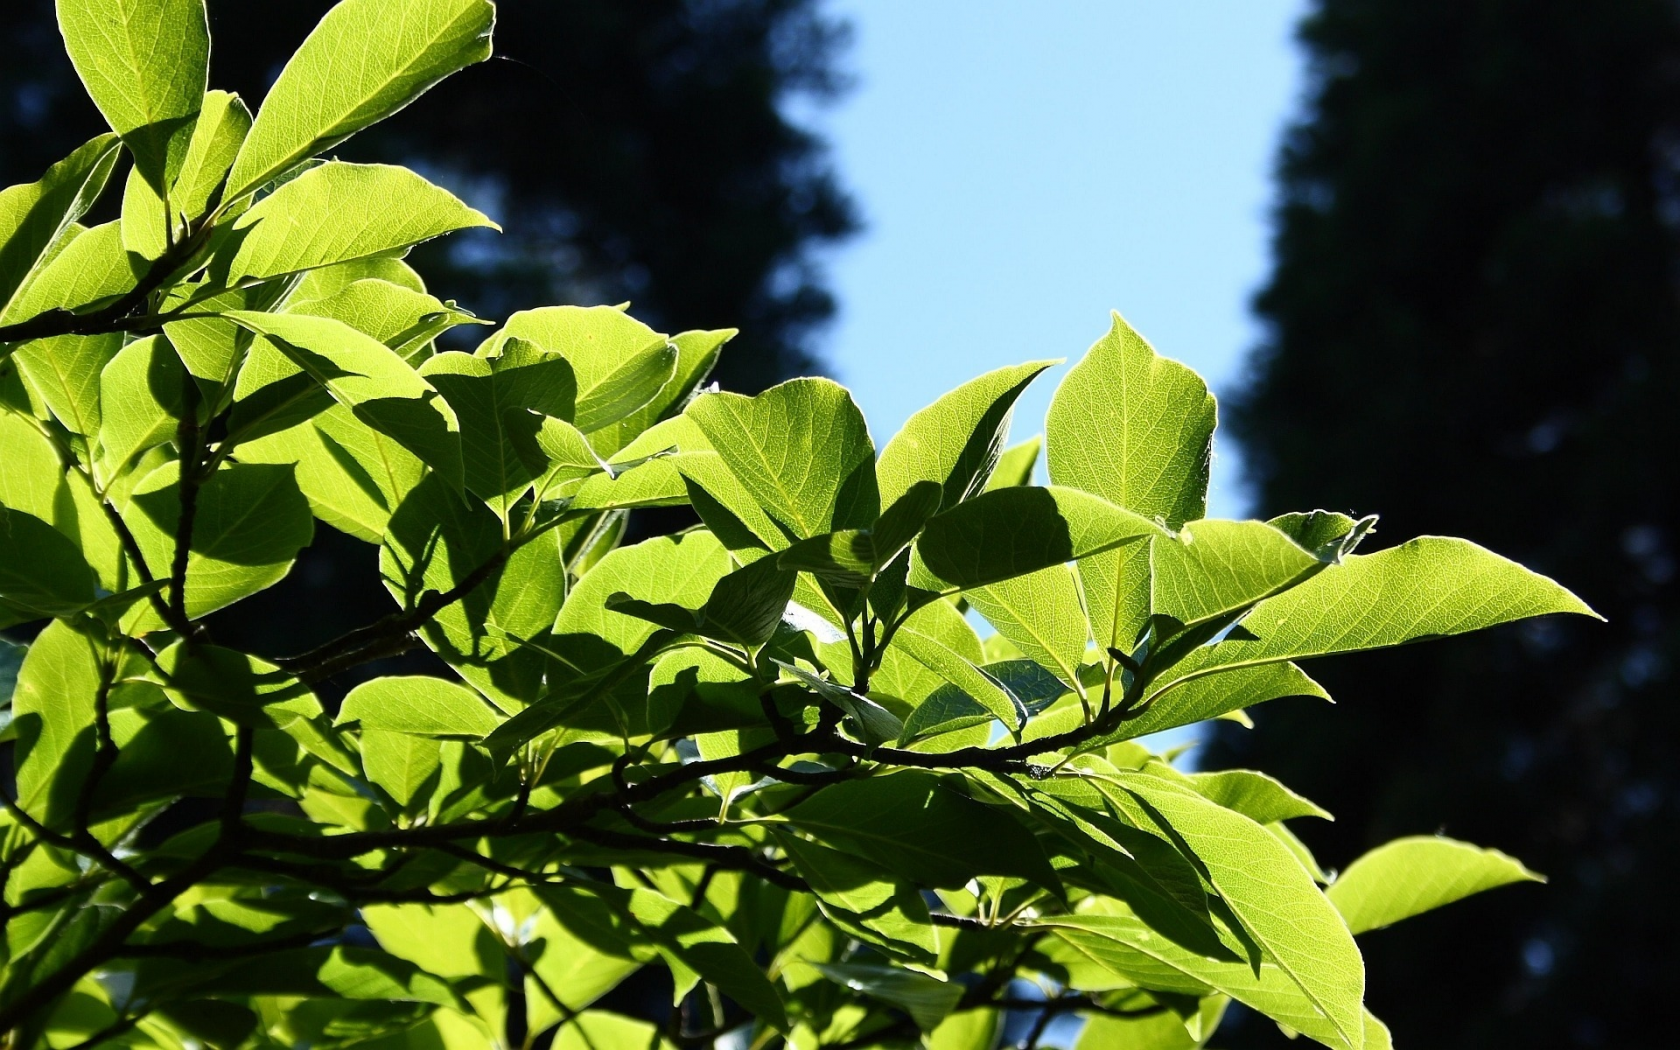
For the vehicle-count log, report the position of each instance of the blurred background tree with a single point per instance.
(1473, 329)
(632, 151)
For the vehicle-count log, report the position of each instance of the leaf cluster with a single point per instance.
(770, 757)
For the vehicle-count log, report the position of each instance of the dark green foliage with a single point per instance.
(1473, 326)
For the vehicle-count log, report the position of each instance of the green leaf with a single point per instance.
(223, 121)
(620, 364)
(419, 705)
(681, 935)
(140, 400)
(1326, 533)
(501, 402)
(1426, 588)
(1213, 567)
(597, 1030)
(232, 685)
(214, 348)
(364, 61)
(145, 63)
(957, 440)
(1256, 796)
(1134, 428)
(353, 476)
(33, 217)
(1266, 888)
(403, 319)
(52, 715)
(147, 227)
(697, 353)
(1413, 875)
(1013, 531)
(865, 900)
(1042, 614)
(35, 481)
(339, 212)
(853, 556)
(677, 570)
(401, 763)
(91, 270)
(1212, 696)
(1151, 1029)
(40, 569)
(874, 724)
(367, 377)
(1015, 466)
(914, 824)
(335, 972)
(950, 665)
(1124, 945)
(801, 449)
(926, 999)
(435, 542)
(251, 521)
(746, 606)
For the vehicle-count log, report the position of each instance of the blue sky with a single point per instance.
(1023, 168)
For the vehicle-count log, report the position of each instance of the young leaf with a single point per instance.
(853, 556)
(419, 705)
(1134, 428)
(956, 441)
(992, 694)
(34, 216)
(436, 541)
(746, 606)
(1413, 875)
(1011, 532)
(367, 377)
(353, 211)
(874, 723)
(697, 353)
(364, 61)
(144, 63)
(801, 449)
